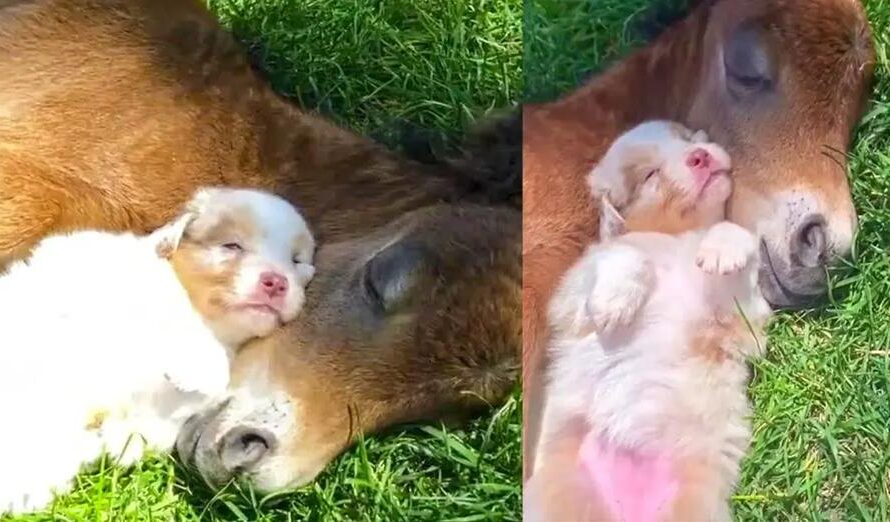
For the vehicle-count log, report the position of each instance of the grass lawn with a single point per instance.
(821, 447)
(369, 65)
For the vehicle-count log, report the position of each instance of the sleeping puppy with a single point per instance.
(111, 341)
(646, 415)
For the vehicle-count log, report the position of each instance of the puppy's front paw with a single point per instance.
(725, 249)
(603, 291)
(614, 304)
(622, 285)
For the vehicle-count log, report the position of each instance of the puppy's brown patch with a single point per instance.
(209, 285)
(671, 215)
(96, 419)
(725, 336)
(234, 224)
(709, 341)
(637, 162)
(208, 288)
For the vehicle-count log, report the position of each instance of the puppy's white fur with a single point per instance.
(628, 364)
(101, 347)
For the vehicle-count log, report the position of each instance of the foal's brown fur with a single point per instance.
(789, 137)
(114, 125)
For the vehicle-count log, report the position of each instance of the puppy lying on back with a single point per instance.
(646, 415)
(111, 341)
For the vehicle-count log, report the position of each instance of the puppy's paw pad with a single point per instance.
(721, 260)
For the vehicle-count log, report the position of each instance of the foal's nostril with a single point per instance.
(809, 246)
(242, 447)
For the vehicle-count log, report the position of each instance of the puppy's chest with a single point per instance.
(679, 293)
(665, 388)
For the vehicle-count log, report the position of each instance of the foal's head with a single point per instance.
(781, 84)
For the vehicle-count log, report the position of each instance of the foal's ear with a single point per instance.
(392, 275)
(611, 222)
(167, 238)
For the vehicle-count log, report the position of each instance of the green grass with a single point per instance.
(370, 65)
(821, 449)
(420, 473)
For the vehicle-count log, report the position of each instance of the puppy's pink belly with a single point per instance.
(637, 487)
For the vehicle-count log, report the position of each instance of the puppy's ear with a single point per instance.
(305, 273)
(203, 199)
(611, 222)
(607, 181)
(167, 238)
(699, 136)
(392, 274)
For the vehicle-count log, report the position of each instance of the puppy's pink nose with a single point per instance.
(700, 160)
(273, 284)
(702, 164)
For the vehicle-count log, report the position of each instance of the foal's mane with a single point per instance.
(662, 14)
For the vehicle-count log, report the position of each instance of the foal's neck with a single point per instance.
(656, 82)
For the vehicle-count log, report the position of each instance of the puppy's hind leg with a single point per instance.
(559, 488)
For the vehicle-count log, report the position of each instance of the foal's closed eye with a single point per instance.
(235, 247)
(652, 173)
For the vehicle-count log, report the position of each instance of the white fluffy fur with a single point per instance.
(97, 323)
(623, 359)
(641, 386)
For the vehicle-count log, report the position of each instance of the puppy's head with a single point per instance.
(243, 256)
(662, 177)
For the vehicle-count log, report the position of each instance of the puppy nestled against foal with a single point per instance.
(647, 413)
(113, 112)
(781, 84)
(112, 341)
